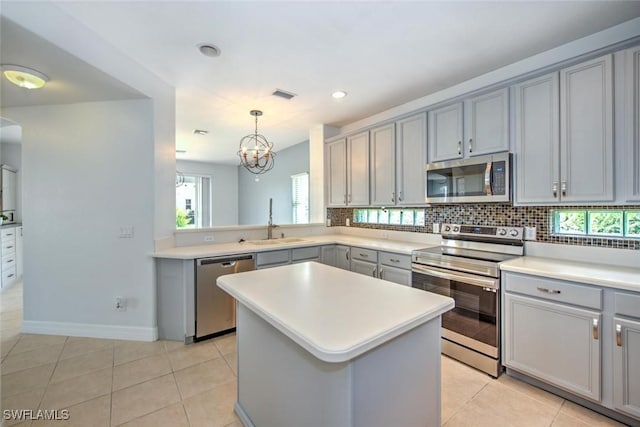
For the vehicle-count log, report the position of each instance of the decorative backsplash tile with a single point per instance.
(496, 214)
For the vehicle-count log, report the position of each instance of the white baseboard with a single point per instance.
(89, 330)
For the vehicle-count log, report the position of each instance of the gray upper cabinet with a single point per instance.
(476, 127)
(632, 124)
(445, 133)
(411, 158)
(347, 171)
(487, 123)
(398, 159)
(564, 135)
(586, 131)
(383, 185)
(336, 159)
(358, 169)
(537, 140)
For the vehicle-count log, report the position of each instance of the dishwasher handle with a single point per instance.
(228, 261)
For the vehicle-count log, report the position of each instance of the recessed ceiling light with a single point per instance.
(24, 77)
(200, 132)
(209, 50)
(339, 94)
(283, 94)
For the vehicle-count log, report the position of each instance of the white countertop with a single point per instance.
(595, 274)
(334, 314)
(221, 249)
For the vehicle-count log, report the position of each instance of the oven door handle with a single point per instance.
(460, 277)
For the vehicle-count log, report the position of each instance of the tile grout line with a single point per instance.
(46, 387)
(113, 373)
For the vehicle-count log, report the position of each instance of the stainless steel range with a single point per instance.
(466, 268)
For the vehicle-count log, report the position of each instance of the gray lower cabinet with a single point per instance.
(328, 255)
(626, 366)
(555, 343)
(581, 338)
(364, 267)
(287, 256)
(626, 353)
(343, 257)
(395, 267)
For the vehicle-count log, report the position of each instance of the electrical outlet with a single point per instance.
(208, 238)
(328, 222)
(436, 228)
(120, 304)
(529, 233)
(348, 222)
(126, 232)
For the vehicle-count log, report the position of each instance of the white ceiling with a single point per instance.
(382, 53)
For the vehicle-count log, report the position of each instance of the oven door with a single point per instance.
(474, 322)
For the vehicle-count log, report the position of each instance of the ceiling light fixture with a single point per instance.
(209, 50)
(339, 94)
(24, 77)
(256, 153)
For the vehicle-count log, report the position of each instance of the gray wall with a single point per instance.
(88, 171)
(253, 199)
(224, 188)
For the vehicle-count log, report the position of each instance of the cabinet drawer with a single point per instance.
(8, 247)
(272, 257)
(8, 276)
(395, 260)
(9, 233)
(364, 254)
(8, 261)
(554, 290)
(299, 254)
(627, 304)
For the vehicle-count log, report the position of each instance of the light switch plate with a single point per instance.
(436, 228)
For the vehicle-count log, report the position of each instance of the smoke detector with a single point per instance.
(283, 94)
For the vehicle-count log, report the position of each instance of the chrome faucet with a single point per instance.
(271, 225)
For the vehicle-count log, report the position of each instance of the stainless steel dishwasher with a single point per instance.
(215, 309)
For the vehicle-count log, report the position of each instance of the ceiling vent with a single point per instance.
(200, 132)
(283, 94)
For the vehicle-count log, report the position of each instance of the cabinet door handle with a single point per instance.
(619, 335)
(374, 271)
(9, 247)
(400, 198)
(349, 198)
(555, 189)
(549, 291)
(393, 197)
(595, 329)
(563, 188)
(470, 145)
(345, 199)
(381, 275)
(11, 275)
(364, 255)
(459, 148)
(394, 260)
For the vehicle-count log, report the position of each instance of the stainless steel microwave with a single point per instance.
(475, 180)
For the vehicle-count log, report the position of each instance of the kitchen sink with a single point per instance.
(272, 242)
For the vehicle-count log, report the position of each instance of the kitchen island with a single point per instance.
(320, 346)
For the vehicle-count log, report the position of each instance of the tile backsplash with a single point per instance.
(495, 215)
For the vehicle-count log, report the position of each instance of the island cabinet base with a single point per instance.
(282, 384)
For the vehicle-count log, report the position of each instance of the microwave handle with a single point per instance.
(487, 179)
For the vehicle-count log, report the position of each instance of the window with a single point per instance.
(597, 223)
(193, 202)
(414, 217)
(300, 198)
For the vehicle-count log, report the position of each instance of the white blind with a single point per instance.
(300, 197)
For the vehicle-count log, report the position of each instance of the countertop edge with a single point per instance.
(592, 274)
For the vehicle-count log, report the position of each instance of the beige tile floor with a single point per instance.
(164, 383)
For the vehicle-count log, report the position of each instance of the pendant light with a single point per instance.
(256, 153)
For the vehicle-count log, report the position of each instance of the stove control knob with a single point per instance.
(447, 229)
(502, 231)
(456, 228)
(514, 232)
